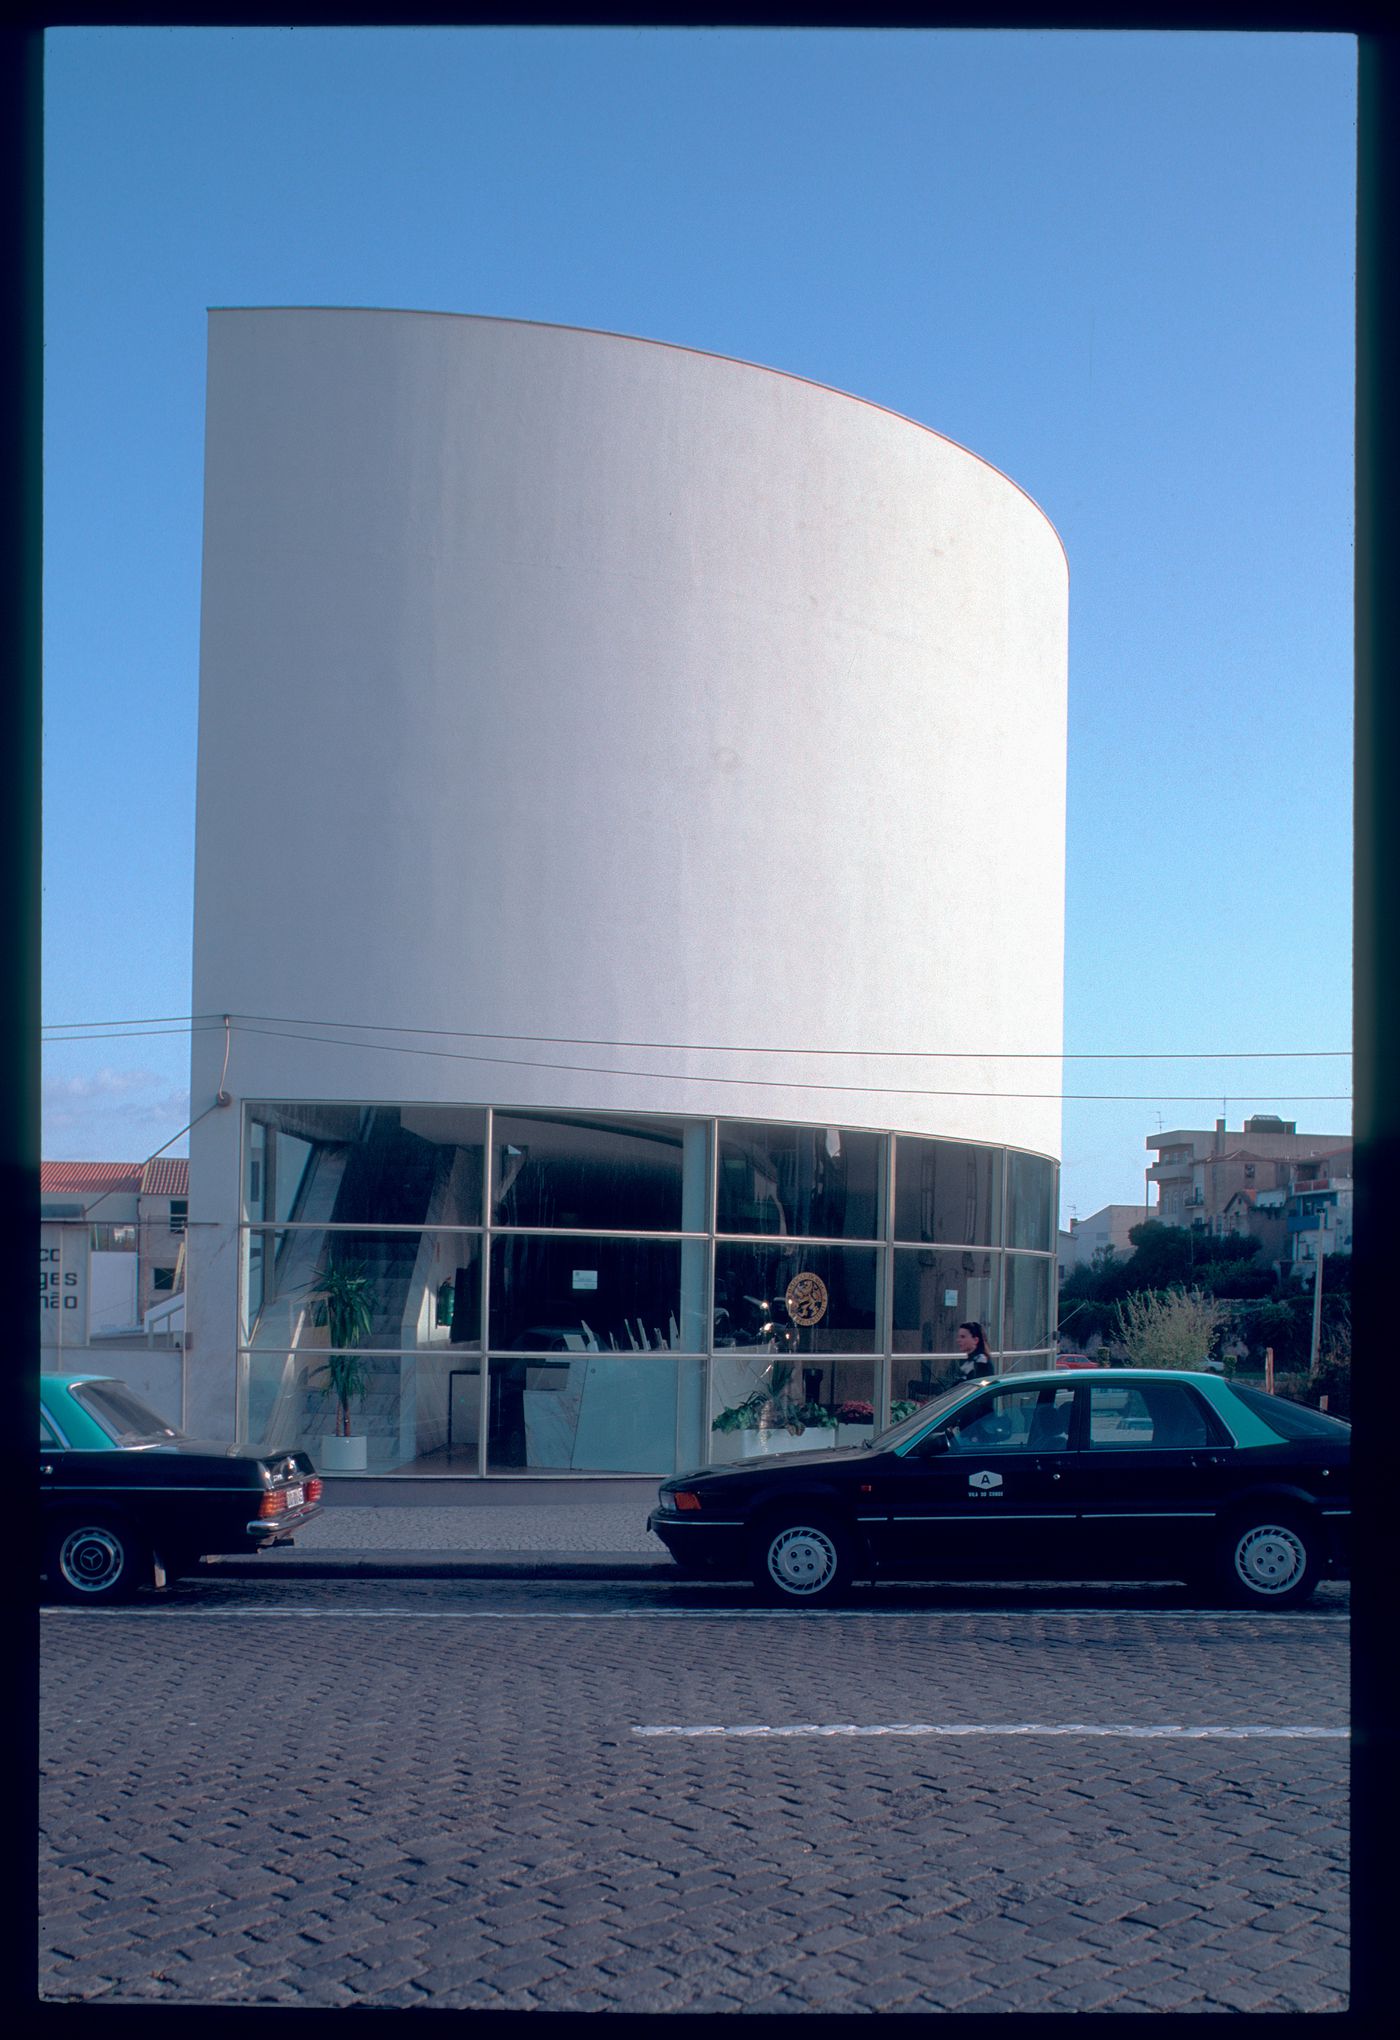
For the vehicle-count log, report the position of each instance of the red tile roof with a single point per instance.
(167, 1176)
(75, 1179)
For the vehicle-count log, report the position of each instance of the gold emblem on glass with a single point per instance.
(806, 1299)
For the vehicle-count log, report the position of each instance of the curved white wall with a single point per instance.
(560, 683)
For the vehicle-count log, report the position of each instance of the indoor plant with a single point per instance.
(344, 1302)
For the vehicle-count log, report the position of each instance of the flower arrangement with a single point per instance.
(855, 1413)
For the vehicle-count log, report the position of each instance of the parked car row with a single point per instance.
(1096, 1473)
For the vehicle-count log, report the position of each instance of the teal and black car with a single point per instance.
(1115, 1474)
(128, 1501)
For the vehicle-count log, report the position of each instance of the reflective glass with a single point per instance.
(1030, 1202)
(947, 1190)
(591, 1412)
(761, 1405)
(1027, 1323)
(402, 1291)
(595, 1295)
(365, 1164)
(810, 1181)
(797, 1299)
(618, 1175)
(407, 1412)
(935, 1291)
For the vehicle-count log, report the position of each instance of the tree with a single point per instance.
(1175, 1327)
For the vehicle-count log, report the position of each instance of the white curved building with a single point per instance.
(668, 748)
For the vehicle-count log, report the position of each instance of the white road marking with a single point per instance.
(964, 1728)
(168, 1614)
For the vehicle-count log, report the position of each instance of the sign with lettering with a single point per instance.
(62, 1285)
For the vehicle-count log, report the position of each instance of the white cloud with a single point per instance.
(110, 1115)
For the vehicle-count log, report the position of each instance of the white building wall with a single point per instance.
(555, 683)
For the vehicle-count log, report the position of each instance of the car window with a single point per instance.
(48, 1437)
(908, 1426)
(1165, 1414)
(1290, 1419)
(1031, 1419)
(122, 1414)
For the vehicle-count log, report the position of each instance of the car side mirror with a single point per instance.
(934, 1443)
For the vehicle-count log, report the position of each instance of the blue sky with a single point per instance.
(1119, 266)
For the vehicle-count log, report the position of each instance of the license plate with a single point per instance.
(295, 1497)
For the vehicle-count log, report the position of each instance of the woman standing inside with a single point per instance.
(974, 1360)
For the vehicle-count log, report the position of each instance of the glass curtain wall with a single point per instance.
(463, 1290)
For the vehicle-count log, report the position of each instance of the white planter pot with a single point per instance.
(342, 1455)
(765, 1444)
(853, 1434)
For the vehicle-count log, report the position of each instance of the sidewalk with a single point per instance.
(535, 1529)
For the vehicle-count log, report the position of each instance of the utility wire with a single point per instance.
(189, 1023)
(784, 1084)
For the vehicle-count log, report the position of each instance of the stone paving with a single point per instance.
(399, 1794)
(583, 1526)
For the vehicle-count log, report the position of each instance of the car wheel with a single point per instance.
(1267, 1559)
(96, 1559)
(803, 1558)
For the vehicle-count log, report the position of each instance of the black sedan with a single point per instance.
(128, 1501)
(1125, 1473)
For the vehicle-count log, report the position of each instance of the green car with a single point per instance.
(128, 1501)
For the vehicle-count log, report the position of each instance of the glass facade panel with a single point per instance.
(947, 1191)
(1030, 1202)
(797, 1299)
(760, 1405)
(591, 1412)
(400, 1291)
(936, 1291)
(370, 1232)
(615, 1175)
(578, 1295)
(1027, 1323)
(399, 1407)
(819, 1182)
(364, 1165)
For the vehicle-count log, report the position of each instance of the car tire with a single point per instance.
(1269, 1558)
(94, 1558)
(802, 1558)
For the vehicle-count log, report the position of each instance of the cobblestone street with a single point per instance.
(406, 1793)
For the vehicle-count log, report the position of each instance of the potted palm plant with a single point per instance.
(344, 1303)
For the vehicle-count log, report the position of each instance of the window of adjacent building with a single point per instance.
(179, 1213)
(819, 1182)
(162, 1278)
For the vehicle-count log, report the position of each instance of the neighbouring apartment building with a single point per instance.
(112, 1266)
(1104, 1231)
(1290, 1191)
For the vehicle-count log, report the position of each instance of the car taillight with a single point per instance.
(272, 1505)
(313, 1488)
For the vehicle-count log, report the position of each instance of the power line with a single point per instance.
(786, 1084)
(58, 1030)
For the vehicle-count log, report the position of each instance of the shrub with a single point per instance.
(1169, 1328)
